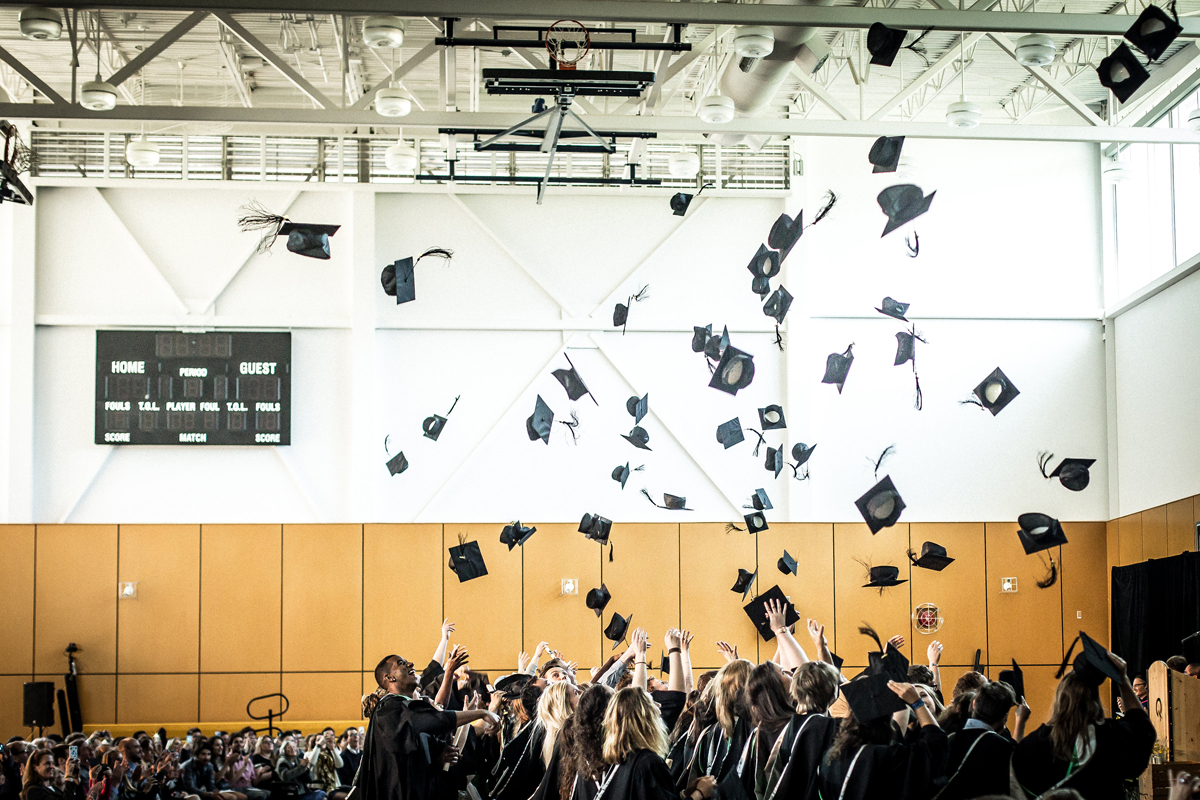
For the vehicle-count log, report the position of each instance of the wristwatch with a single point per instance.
(918, 705)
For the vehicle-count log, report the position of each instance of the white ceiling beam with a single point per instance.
(1155, 96)
(33, 80)
(150, 53)
(1050, 82)
(415, 60)
(234, 68)
(268, 55)
(937, 68)
(821, 93)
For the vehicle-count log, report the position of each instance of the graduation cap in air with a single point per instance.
(730, 433)
(802, 452)
(638, 437)
(570, 380)
(516, 534)
(397, 464)
(1039, 532)
(716, 346)
(837, 367)
(735, 371)
(894, 309)
(785, 233)
(887, 661)
(433, 425)
(885, 154)
(700, 337)
(1122, 72)
(680, 202)
(744, 582)
(902, 204)
(777, 304)
(881, 505)
(621, 310)
(595, 527)
(870, 698)
(670, 502)
(774, 462)
(906, 349)
(882, 577)
(664, 665)
(467, 561)
(765, 263)
(540, 422)
(1014, 678)
(978, 661)
(771, 417)
(304, 239)
(756, 610)
(638, 407)
(933, 556)
(510, 686)
(996, 391)
(759, 500)
(399, 277)
(1071, 473)
(1092, 664)
(884, 43)
(787, 564)
(755, 521)
(622, 473)
(1154, 31)
(597, 599)
(617, 626)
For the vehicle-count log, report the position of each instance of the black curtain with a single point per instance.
(1156, 604)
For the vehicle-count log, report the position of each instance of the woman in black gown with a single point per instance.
(582, 745)
(809, 734)
(635, 741)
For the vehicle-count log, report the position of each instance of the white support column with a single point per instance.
(364, 446)
(797, 328)
(19, 425)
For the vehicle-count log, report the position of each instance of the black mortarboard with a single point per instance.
(730, 433)
(744, 582)
(734, 372)
(597, 599)
(680, 202)
(933, 556)
(621, 473)
(786, 563)
(664, 665)
(1154, 31)
(1015, 679)
(431, 676)
(570, 380)
(880, 577)
(881, 505)
(774, 461)
(540, 422)
(777, 304)
(1122, 72)
(760, 285)
(771, 417)
(802, 452)
(397, 464)
(398, 280)
(893, 308)
(617, 626)
(837, 367)
(620, 315)
(755, 521)
(785, 233)
(996, 391)
(637, 437)
(715, 347)
(1039, 532)
(432, 426)
(638, 407)
(978, 661)
(511, 686)
(885, 154)
(596, 528)
(905, 347)
(674, 503)
(760, 501)
(902, 204)
(765, 263)
(756, 610)
(516, 534)
(467, 561)
(870, 698)
(884, 43)
(308, 240)
(1092, 664)
(891, 664)
(837, 660)
(700, 337)
(1073, 473)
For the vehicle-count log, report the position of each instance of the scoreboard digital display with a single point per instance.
(167, 387)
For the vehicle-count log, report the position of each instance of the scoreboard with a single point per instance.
(167, 387)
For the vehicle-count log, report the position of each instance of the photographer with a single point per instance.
(326, 760)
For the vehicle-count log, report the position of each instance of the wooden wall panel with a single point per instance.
(76, 597)
(12, 701)
(16, 623)
(156, 699)
(324, 695)
(959, 591)
(1084, 585)
(159, 630)
(240, 598)
(1129, 532)
(643, 578)
(223, 697)
(564, 621)
(97, 695)
(1154, 533)
(403, 561)
(322, 597)
(710, 558)
(1026, 624)
(487, 609)
(1181, 527)
(811, 589)
(888, 612)
(950, 676)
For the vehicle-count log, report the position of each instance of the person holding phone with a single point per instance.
(38, 780)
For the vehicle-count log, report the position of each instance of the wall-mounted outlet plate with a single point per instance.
(570, 586)
(1008, 584)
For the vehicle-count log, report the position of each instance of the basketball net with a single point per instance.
(567, 42)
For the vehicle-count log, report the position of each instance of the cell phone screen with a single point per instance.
(74, 752)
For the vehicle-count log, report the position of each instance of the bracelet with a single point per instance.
(674, 650)
(643, 663)
(917, 706)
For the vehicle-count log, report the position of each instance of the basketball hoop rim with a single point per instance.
(587, 43)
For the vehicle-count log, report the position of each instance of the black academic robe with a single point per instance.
(641, 776)
(977, 764)
(680, 756)
(520, 768)
(1123, 748)
(886, 772)
(722, 758)
(798, 754)
(548, 787)
(401, 750)
(670, 706)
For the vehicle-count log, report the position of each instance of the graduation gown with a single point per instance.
(797, 755)
(670, 706)
(548, 788)
(398, 761)
(520, 768)
(1123, 748)
(641, 776)
(977, 764)
(887, 772)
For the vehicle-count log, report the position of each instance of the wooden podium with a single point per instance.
(1175, 712)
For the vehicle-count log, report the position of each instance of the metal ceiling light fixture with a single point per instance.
(1193, 121)
(964, 113)
(716, 109)
(40, 24)
(400, 157)
(754, 41)
(390, 101)
(684, 164)
(1035, 49)
(384, 31)
(98, 95)
(140, 153)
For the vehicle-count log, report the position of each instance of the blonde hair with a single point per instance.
(632, 722)
(815, 686)
(553, 709)
(729, 696)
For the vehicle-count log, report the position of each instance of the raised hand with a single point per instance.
(543, 647)
(817, 632)
(728, 651)
(572, 667)
(671, 639)
(905, 691)
(1023, 709)
(447, 628)
(522, 661)
(458, 657)
(640, 641)
(896, 641)
(776, 615)
(934, 652)
(685, 640)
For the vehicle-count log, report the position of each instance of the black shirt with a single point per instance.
(1123, 748)
(641, 776)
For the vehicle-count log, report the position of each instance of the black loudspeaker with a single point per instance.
(39, 704)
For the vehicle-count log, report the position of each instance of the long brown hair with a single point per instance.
(767, 697)
(632, 722)
(31, 777)
(1076, 706)
(582, 739)
(729, 698)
